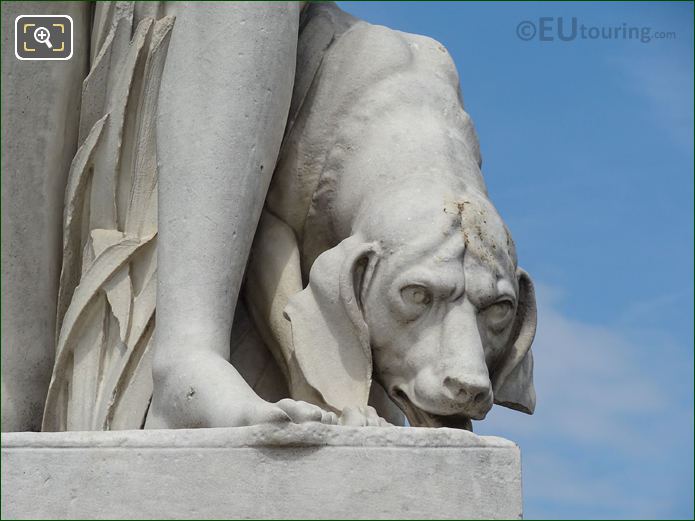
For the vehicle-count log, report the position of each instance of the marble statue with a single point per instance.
(380, 255)
(225, 215)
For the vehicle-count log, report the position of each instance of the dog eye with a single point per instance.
(418, 295)
(499, 313)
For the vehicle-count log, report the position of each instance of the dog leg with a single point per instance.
(273, 276)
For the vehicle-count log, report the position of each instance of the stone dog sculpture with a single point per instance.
(378, 202)
(380, 272)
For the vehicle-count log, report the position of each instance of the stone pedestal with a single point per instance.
(299, 471)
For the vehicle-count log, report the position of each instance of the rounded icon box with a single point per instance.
(43, 37)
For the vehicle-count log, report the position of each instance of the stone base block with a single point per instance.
(298, 471)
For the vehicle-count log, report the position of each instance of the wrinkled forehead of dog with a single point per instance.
(436, 226)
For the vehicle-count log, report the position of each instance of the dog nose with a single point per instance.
(475, 391)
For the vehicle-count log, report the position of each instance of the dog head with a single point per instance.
(429, 301)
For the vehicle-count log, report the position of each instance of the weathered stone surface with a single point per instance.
(325, 163)
(40, 111)
(297, 471)
(380, 257)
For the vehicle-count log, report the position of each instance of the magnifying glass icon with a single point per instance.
(42, 35)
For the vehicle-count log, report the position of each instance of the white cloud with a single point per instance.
(612, 434)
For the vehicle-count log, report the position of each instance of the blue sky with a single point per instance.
(588, 155)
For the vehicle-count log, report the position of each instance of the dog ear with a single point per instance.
(512, 383)
(332, 355)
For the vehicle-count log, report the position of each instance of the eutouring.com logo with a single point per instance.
(563, 29)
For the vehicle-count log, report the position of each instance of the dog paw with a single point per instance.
(302, 412)
(362, 417)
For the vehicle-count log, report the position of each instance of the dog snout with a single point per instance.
(474, 391)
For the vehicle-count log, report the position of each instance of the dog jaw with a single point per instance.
(418, 417)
